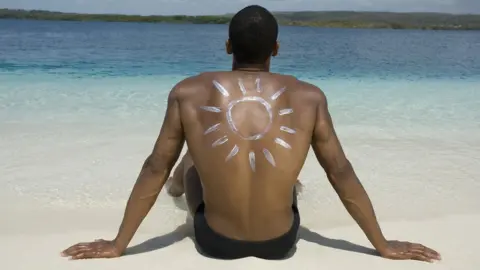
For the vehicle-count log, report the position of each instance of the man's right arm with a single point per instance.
(342, 177)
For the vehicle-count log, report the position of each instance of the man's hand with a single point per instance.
(94, 250)
(397, 250)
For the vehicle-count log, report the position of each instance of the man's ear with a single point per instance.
(275, 49)
(228, 47)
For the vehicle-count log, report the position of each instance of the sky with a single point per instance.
(203, 7)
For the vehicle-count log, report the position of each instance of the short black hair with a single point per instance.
(253, 33)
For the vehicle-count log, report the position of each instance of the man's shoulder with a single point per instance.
(199, 80)
(309, 87)
(188, 86)
(309, 91)
(300, 85)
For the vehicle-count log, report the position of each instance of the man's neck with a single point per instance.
(250, 67)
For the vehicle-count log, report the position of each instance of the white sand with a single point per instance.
(340, 248)
(70, 187)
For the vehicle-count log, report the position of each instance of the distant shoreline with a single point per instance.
(326, 19)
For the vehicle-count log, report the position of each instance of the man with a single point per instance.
(248, 132)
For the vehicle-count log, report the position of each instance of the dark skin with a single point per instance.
(231, 191)
(185, 180)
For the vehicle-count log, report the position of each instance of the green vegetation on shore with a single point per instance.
(333, 19)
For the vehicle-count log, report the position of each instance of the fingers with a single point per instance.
(420, 257)
(83, 252)
(85, 255)
(93, 254)
(74, 250)
(411, 251)
(80, 247)
(422, 253)
(88, 254)
(78, 256)
(433, 253)
(71, 250)
(97, 249)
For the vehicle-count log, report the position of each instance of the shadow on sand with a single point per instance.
(186, 230)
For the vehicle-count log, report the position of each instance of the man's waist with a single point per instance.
(258, 225)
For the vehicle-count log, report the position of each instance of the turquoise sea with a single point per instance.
(74, 70)
(85, 100)
(68, 70)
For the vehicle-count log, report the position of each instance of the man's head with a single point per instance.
(253, 33)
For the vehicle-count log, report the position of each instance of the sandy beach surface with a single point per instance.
(344, 247)
(69, 187)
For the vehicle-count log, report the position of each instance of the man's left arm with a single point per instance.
(154, 173)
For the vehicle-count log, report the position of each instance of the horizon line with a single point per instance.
(229, 14)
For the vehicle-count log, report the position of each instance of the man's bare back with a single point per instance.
(248, 132)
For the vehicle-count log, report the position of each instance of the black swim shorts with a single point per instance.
(218, 246)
